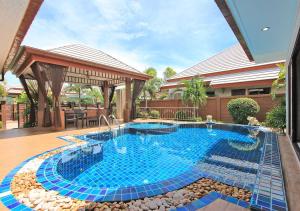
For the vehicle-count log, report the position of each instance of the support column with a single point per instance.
(218, 105)
(41, 107)
(120, 103)
(127, 110)
(32, 108)
(105, 96)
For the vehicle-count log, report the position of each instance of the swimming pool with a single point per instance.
(117, 162)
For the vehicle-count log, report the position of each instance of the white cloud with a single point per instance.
(141, 33)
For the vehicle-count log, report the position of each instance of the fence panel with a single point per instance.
(21, 109)
(215, 106)
(178, 113)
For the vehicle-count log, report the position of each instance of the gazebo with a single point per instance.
(75, 64)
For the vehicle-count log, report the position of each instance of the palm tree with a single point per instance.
(95, 94)
(194, 92)
(151, 86)
(279, 83)
(169, 72)
(77, 88)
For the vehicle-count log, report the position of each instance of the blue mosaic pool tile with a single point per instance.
(50, 179)
(269, 191)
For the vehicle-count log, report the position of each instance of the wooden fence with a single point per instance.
(2, 115)
(215, 106)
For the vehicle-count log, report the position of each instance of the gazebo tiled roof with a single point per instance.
(86, 53)
(84, 64)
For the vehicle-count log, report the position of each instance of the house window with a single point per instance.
(210, 93)
(235, 92)
(259, 91)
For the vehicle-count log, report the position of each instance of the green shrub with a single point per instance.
(1, 125)
(276, 118)
(154, 114)
(27, 125)
(143, 114)
(195, 119)
(198, 119)
(181, 115)
(241, 108)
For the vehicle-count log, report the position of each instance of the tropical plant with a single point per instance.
(241, 108)
(181, 115)
(22, 98)
(77, 88)
(95, 95)
(151, 71)
(143, 114)
(194, 92)
(154, 114)
(85, 94)
(169, 72)
(276, 118)
(153, 85)
(279, 83)
(198, 119)
(3, 92)
(163, 95)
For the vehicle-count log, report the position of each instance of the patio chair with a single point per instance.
(81, 115)
(92, 117)
(71, 117)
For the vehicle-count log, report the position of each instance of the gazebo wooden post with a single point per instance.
(106, 96)
(41, 107)
(127, 110)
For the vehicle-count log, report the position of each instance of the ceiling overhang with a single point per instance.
(15, 19)
(267, 29)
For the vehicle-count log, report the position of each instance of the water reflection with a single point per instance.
(74, 163)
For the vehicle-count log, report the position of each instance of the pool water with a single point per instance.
(128, 159)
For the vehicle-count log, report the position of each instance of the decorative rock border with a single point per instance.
(28, 191)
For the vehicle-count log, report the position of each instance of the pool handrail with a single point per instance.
(113, 118)
(105, 119)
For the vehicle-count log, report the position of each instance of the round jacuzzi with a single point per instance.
(152, 127)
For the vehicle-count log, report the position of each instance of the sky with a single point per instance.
(141, 33)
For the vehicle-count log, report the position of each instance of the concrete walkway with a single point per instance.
(16, 145)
